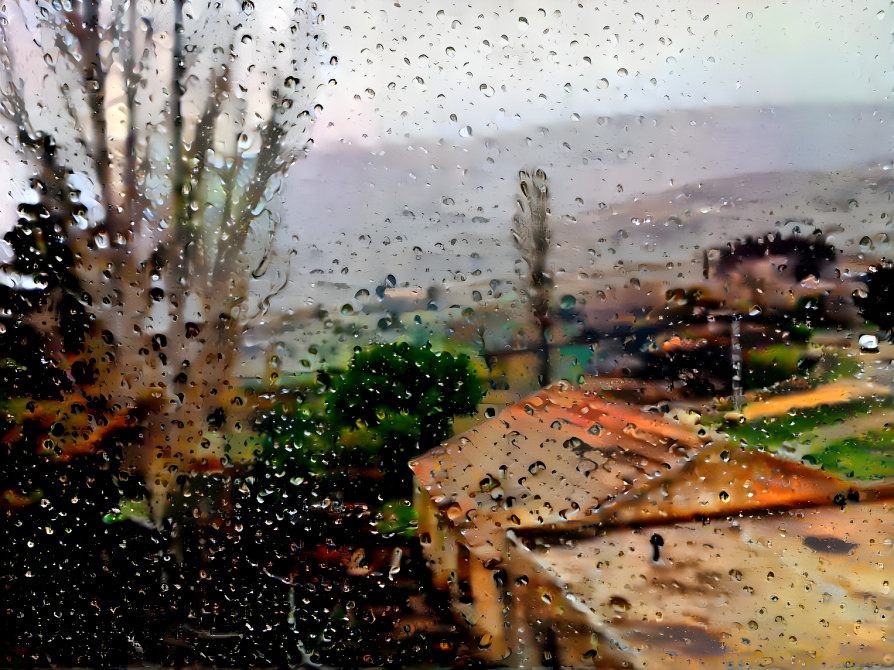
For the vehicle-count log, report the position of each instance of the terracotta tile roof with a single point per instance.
(551, 458)
(565, 457)
(649, 540)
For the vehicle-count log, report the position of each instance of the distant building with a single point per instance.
(793, 258)
(777, 273)
(574, 531)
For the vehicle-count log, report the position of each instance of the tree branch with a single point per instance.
(131, 82)
(178, 166)
(89, 35)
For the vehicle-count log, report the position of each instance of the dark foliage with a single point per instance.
(253, 566)
(271, 571)
(79, 579)
(42, 284)
(396, 400)
(876, 304)
(26, 368)
(806, 255)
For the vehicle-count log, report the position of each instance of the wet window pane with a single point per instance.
(425, 335)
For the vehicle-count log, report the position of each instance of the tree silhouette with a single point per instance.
(41, 292)
(176, 123)
(78, 576)
(807, 255)
(531, 235)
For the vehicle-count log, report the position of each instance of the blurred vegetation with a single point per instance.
(327, 503)
(771, 433)
(306, 550)
(876, 303)
(810, 433)
(868, 457)
(80, 577)
(396, 400)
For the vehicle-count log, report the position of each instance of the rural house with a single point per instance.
(576, 531)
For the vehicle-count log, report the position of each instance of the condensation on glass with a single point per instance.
(425, 335)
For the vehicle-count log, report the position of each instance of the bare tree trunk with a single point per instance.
(177, 264)
(531, 235)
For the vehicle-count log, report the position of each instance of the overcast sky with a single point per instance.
(423, 68)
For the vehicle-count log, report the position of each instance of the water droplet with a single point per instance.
(724, 496)
(602, 84)
(619, 604)
(523, 24)
(539, 466)
(465, 131)
(622, 71)
(487, 90)
(568, 301)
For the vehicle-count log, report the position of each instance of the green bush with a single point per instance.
(396, 400)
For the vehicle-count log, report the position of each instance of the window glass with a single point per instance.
(412, 334)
